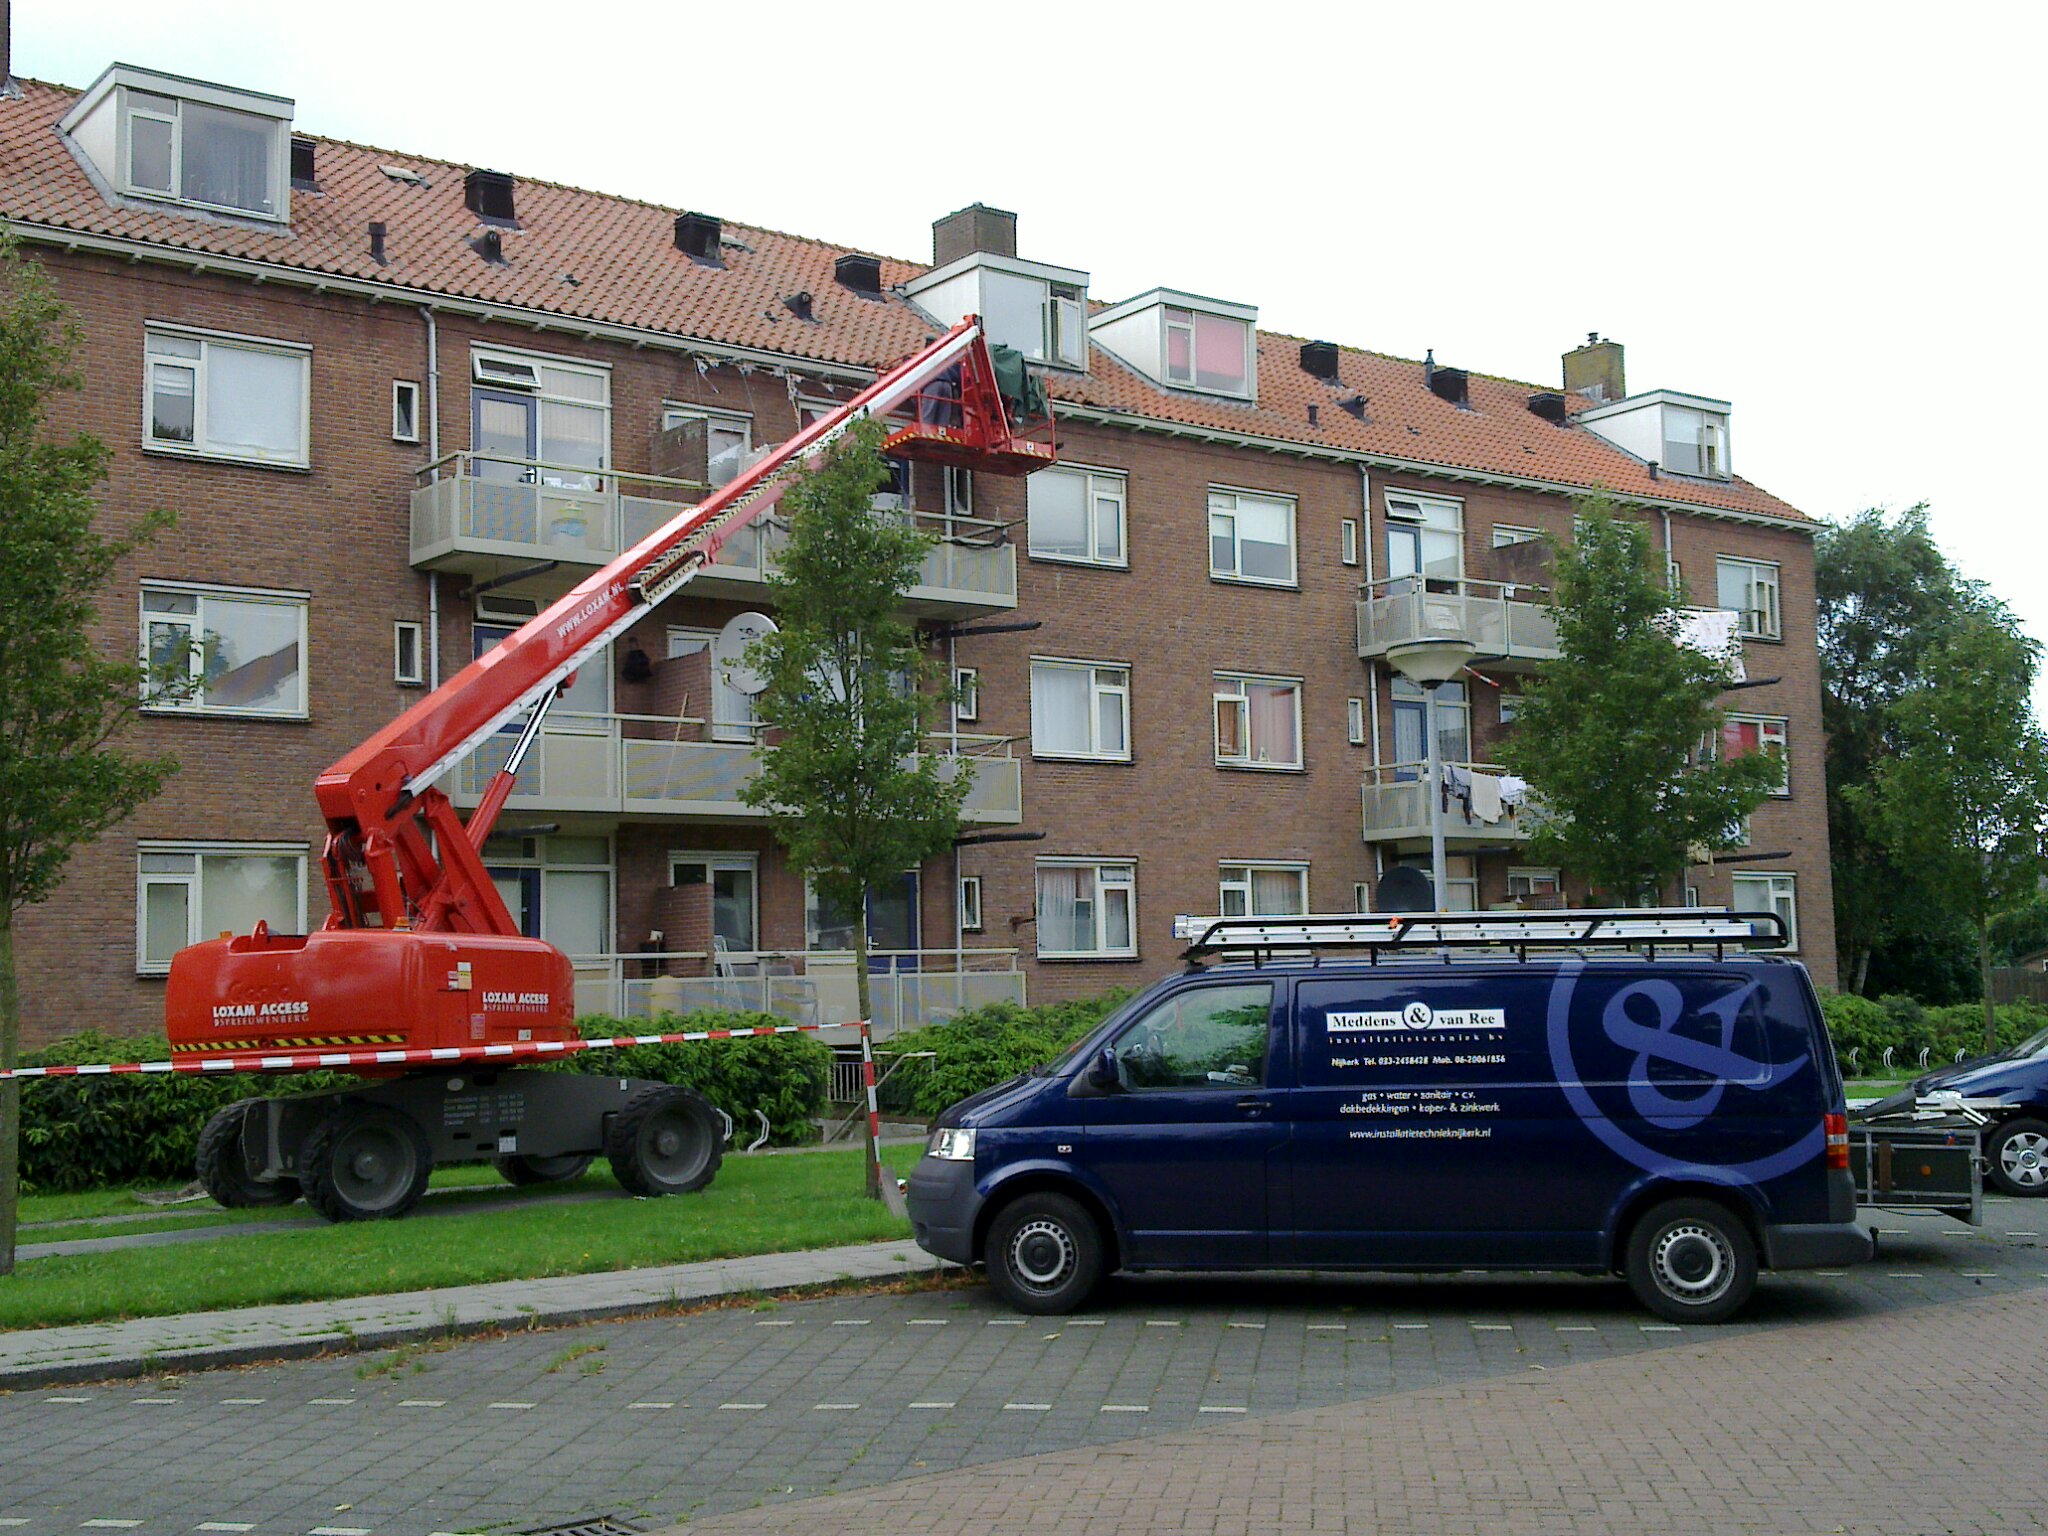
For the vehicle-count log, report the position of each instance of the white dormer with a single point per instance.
(1041, 311)
(1184, 341)
(1685, 434)
(171, 140)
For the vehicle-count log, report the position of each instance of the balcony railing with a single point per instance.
(1396, 806)
(1505, 623)
(480, 516)
(652, 765)
(906, 988)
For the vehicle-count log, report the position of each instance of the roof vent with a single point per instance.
(1548, 404)
(377, 243)
(1445, 383)
(863, 274)
(400, 173)
(698, 237)
(798, 304)
(1355, 404)
(1320, 359)
(491, 246)
(488, 195)
(302, 166)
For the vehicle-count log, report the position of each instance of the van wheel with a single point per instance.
(1691, 1261)
(1044, 1254)
(2018, 1155)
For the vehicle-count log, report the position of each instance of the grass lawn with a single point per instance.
(761, 1204)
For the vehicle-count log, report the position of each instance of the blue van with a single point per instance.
(1590, 1092)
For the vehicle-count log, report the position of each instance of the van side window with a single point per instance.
(1209, 1037)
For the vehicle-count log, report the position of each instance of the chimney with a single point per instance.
(700, 237)
(1320, 359)
(1445, 383)
(1548, 404)
(303, 179)
(977, 227)
(7, 48)
(1595, 371)
(488, 195)
(862, 274)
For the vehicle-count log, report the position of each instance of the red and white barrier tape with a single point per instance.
(521, 1050)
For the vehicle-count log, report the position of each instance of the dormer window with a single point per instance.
(1681, 434)
(1205, 351)
(1695, 442)
(168, 139)
(1184, 342)
(1035, 309)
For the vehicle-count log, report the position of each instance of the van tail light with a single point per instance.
(1837, 1128)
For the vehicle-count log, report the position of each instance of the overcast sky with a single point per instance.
(1828, 215)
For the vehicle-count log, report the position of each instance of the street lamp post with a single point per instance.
(1430, 663)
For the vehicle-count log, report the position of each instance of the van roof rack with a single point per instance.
(1605, 928)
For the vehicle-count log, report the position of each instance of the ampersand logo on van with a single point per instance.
(1673, 1060)
(1416, 1015)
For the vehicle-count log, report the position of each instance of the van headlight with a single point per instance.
(952, 1144)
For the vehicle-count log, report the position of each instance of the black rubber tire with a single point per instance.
(2030, 1159)
(225, 1172)
(1044, 1254)
(1691, 1261)
(364, 1162)
(666, 1141)
(523, 1170)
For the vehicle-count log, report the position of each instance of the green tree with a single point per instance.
(62, 781)
(1610, 733)
(847, 792)
(1965, 796)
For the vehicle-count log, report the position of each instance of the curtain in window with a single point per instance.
(227, 157)
(1066, 918)
(1265, 540)
(1059, 709)
(1276, 893)
(255, 402)
(575, 435)
(1219, 352)
(236, 890)
(576, 910)
(1273, 710)
(166, 921)
(1056, 503)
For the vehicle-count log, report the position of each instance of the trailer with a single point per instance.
(1928, 1156)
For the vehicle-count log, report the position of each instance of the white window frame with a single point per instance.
(1534, 874)
(1241, 876)
(969, 914)
(967, 688)
(199, 850)
(674, 413)
(1235, 496)
(278, 212)
(1762, 577)
(1361, 896)
(1772, 731)
(407, 391)
(1099, 688)
(1347, 542)
(1413, 509)
(1777, 883)
(1354, 722)
(1124, 873)
(416, 675)
(712, 862)
(1097, 484)
(1507, 535)
(209, 342)
(195, 702)
(1231, 690)
(1181, 317)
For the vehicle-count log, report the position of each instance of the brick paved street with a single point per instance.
(1896, 1397)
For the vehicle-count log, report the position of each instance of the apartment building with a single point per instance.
(398, 404)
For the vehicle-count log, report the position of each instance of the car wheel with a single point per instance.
(2018, 1155)
(1691, 1261)
(365, 1162)
(1044, 1254)
(225, 1171)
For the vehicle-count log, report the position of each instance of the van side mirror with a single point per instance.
(1102, 1073)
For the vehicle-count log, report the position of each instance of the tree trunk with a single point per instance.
(860, 982)
(10, 1097)
(1984, 980)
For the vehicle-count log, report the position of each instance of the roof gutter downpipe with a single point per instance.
(433, 457)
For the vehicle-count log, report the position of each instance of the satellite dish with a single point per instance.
(1404, 888)
(729, 650)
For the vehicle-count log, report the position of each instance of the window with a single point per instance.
(1205, 1039)
(1533, 885)
(1076, 514)
(1080, 709)
(893, 926)
(186, 892)
(728, 439)
(406, 648)
(1354, 722)
(1263, 890)
(1461, 878)
(1743, 734)
(970, 903)
(1046, 321)
(967, 689)
(213, 156)
(1510, 707)
(1361, 896)
(734, 882)
(1425, 537)
(734, 712)
(1505, 534)
(1087, 910)
(1453, 727)
(540, 420)
(557, 888)
(1258, 721)
(1769, 893)
(1209, 352)
(958, 484)
(1347, 542)
(225, 397)
(242, 651)
(1251, 537)
(1750, 587)
(1695, 443)
(405, 411)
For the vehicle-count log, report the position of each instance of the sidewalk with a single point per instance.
(196, 1340)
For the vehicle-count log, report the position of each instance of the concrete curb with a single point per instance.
(89, 1352)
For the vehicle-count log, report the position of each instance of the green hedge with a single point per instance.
(94, 1132)
(1867, 1026)
(985, 1046)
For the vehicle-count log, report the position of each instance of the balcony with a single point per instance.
(1507, 623)
(1396, 809)
(648, 765)
(485, 518)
